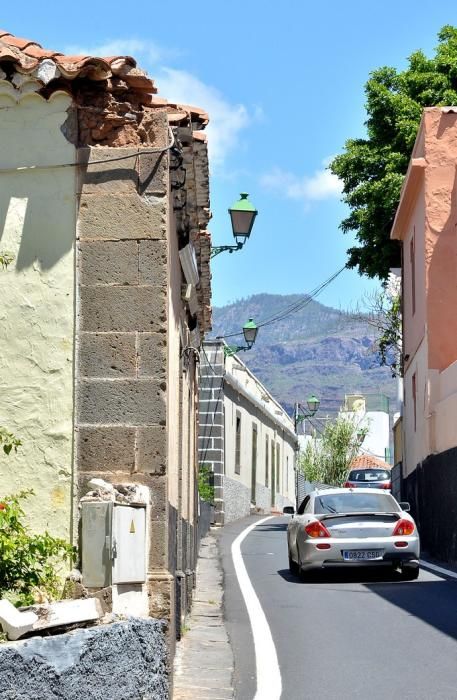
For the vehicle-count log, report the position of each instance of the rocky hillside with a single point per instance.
(316, 350)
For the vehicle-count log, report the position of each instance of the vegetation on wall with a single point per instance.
(327, 459)
(372, 168)
(29, 563)
(205, 483)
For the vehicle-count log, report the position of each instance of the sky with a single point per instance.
(283, 84)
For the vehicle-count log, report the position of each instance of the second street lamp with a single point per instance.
(300, 413)
(242, 215)
(250, 334)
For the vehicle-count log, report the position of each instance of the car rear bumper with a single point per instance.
(387, 562)
(313, 558)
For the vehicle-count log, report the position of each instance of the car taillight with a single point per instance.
(387, 485)
(347, 485)
(317, 529)
(403, 527)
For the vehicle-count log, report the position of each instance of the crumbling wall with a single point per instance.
(126, 660)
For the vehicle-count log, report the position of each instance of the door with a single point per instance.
(254, 462)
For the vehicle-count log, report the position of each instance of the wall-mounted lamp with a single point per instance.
(242, 215)
(250, 331)
(300, 413)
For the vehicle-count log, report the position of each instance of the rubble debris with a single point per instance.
(36, 618)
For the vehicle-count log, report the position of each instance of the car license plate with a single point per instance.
(361, 554)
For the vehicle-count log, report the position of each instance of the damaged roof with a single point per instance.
(30, 58)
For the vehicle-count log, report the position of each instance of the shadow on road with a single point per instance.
(271, 527)
(432, 602)
(363, 576)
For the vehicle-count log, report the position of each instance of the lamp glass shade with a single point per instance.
(242, 214)
(250, 332)
(313, 403)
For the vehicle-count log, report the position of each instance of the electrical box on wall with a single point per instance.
(113, 540)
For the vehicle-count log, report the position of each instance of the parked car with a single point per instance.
(369, 478)
(353, 527)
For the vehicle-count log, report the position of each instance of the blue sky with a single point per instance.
(283, 84)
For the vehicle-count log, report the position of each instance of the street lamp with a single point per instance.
(250, 334)
(300, 413)
(242, 215)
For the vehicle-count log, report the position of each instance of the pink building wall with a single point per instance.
(427, 214)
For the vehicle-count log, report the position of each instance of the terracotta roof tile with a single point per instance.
(28, 54)
(368, 462)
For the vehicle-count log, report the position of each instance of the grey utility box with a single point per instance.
(113, 540)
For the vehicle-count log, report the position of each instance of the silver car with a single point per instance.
(347, 527)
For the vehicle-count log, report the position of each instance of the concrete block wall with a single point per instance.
(237, 500)
(211, 420)
(121, 334)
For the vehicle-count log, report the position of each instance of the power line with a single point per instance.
(296, 306)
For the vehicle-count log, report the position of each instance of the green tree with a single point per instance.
(326, 460)
(372, 168)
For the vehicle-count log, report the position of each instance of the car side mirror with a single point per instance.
(404, 505)
(288, 510)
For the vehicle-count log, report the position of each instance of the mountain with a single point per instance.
(315, 350)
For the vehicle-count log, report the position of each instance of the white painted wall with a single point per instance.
(256, 406)
(37, 225)
(377, 439)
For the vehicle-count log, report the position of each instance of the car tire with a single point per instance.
(409, 573)
(304, 575)
(293, 566)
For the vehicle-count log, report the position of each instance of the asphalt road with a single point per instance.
(346, 635)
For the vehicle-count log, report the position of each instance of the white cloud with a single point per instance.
(147, 50)
(226, 120)
(322, 184)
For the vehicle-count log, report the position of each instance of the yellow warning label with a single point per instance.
(132, 527)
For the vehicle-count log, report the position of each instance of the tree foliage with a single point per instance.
(372, 168)
(205, 483)
(326, 460)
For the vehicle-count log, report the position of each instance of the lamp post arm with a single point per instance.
(215, 250)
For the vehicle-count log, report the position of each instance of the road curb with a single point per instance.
(203, 666)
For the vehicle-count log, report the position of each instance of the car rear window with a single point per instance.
(369, 475)
(356, 503)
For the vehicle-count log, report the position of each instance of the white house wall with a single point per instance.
(238, 494)
(37, 225)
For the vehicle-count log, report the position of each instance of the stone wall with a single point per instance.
(126, 660)
(282, 501)
(211, 421)
(121, 334)
(237, 500)
(263, 497)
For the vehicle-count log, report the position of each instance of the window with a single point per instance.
(278, 470)
(238, 443)
(355, 503)
(368, 475)
(414, 393)
(266, 460)
(412, 260)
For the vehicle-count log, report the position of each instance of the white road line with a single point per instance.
(438, 569)
(269, 685)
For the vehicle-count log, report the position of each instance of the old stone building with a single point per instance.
(104, 204)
